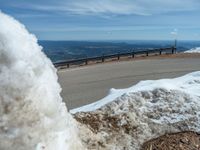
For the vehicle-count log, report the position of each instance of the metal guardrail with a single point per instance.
(102, 58)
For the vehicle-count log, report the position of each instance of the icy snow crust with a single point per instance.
(149, 109)
(32, 114)
(193, 50)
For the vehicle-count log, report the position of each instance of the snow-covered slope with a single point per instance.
(193, 50)
(127, 118)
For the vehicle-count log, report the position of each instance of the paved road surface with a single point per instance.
(88, 84)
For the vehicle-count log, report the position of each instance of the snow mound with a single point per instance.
(193, 50)
(188, 84)
(128, 118)
(32, 114)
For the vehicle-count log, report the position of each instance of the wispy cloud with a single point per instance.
(91, 7)
(116, 7)
(105, 29)
(31, 15)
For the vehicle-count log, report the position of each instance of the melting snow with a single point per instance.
(149, 109)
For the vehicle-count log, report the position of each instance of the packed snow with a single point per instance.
(32, 114)
(142, 112)
(193, 50)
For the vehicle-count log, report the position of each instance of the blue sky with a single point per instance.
(108, 19)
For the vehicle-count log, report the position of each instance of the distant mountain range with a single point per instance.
(68, 50)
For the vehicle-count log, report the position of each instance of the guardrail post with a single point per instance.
(102, 59)
(133, 54)
(172, 50)
(86, 61)
(118, 56)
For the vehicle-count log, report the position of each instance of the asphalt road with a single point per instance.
(88, 84)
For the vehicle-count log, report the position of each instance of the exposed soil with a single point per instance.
(175, 141)
(96, 122)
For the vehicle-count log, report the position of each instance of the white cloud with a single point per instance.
(117, 7)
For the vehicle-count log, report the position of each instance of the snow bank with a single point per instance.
(127, 118)
(188, 84)
(32, 114)
(193, 50)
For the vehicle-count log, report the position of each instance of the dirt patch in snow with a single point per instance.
(176, 141)
(106, 131)
(96, 122)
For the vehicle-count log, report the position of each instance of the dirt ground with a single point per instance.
(176, 141)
